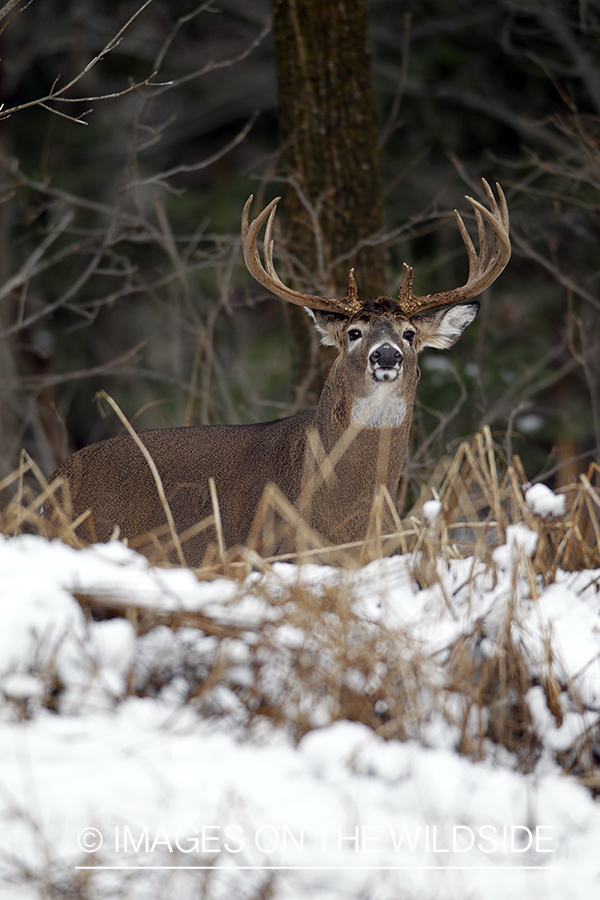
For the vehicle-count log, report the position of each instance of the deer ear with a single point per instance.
(329, 325)
(443, 327)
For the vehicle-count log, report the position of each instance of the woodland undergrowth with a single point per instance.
(316, 657)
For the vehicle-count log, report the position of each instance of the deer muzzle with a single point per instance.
(385, 361)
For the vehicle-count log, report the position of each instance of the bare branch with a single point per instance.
(160, 177)
(444, 418)
(58, 95)
(77, 119)
(214, 65)
(52, 380)
(8, 7)
(559, 25)
(392, 123)
(114, 42)
(181, 21)
(29, 266)
(555, 272)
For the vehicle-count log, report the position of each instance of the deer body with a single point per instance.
(327, 463)
(113, 480)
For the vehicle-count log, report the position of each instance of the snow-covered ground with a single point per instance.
(105, 773)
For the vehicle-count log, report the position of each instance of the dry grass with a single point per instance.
(480, 495)
(314, 659)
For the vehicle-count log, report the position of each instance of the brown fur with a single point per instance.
(113, 480)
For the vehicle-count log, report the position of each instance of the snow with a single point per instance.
(122, 748)
(519, 539)
(431, 510)
(544, 502)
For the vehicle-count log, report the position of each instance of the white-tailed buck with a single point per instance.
(328, 463)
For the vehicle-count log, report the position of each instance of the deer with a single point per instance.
(171, 484)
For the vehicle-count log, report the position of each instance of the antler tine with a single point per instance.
(482, 238)
(482, 270)
(249, 235)
(502, 213)
(471, 252)
(269, 245)
(269, 277)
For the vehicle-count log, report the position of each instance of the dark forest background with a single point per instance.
(120, 260)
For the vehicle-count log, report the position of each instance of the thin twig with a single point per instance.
(161, 177)
(8, 7)
(78, 374)
(58, 95)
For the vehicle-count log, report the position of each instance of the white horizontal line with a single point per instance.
(328, 868)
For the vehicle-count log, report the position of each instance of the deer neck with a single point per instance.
(358, 443)
(374, 411)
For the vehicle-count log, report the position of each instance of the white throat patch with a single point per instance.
(381, 408)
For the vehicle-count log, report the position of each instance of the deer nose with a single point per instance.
(386, 357)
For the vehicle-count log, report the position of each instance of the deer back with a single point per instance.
(113, 480)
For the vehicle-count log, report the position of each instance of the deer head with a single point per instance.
(376, 372)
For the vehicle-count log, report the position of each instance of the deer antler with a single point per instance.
(482, 271)
(268, 276)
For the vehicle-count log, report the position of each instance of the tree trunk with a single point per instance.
(329, 136)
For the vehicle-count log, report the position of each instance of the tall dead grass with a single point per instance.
(480, 497)
(315, 659)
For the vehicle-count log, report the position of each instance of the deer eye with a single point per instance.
(409, 336)
(354, 334)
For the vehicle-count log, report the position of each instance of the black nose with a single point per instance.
(386, 356)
